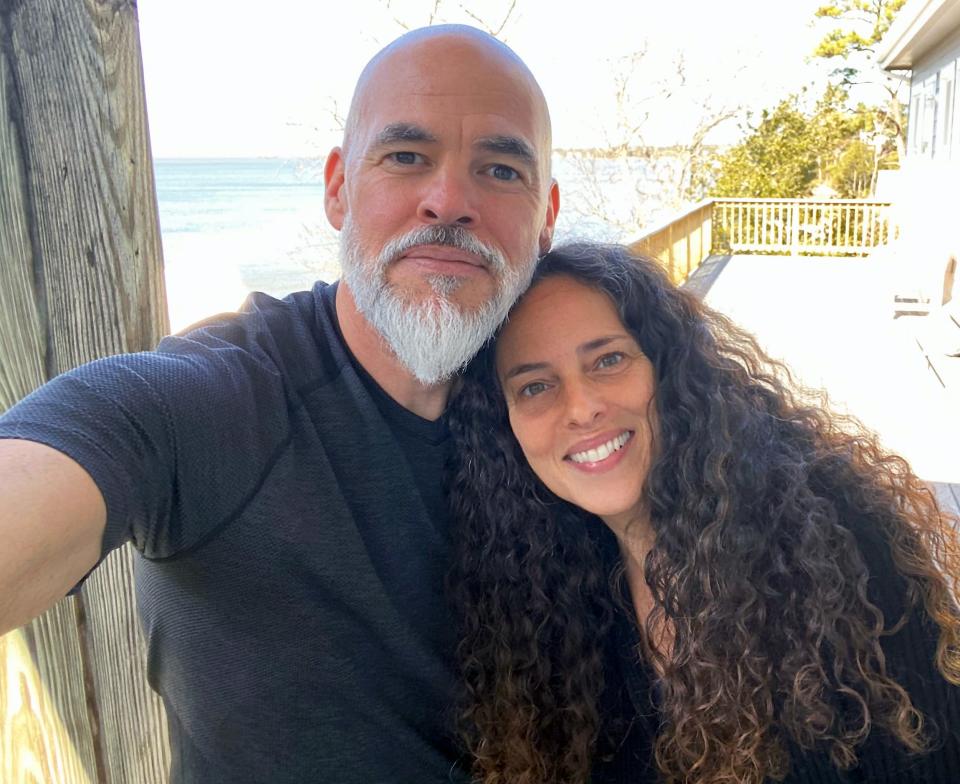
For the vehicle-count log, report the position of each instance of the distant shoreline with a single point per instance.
(630, 152)
(563, 152)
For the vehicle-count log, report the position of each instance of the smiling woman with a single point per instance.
(672, 569)
(579, 391)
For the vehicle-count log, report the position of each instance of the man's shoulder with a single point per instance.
(260, 315)
(294, 335)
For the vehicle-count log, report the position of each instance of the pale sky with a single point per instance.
(229, 79)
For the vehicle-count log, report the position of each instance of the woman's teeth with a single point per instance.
(603, 451)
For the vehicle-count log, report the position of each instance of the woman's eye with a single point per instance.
(501, 172)
(610, 360)
(533, 389)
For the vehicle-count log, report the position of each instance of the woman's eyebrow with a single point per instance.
(526, 367)
(584, 348)
(593, 345)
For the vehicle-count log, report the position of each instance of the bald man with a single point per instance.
(279, 470)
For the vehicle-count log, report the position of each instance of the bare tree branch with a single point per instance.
(495, 32)
(681, 66)
(625, 184)
(506, 18)
(339, 119)
(398, 21)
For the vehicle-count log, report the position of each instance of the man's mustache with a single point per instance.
(443, 234)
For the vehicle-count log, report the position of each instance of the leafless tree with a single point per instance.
(423, 14)
(620, 187)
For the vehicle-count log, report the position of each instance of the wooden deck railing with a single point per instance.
(844, 227)
(837, 227)
(682, 242)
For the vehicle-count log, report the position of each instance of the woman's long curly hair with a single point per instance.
(752, 492)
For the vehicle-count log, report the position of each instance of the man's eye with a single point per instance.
(501, 172)
(405, 158)
(610, 360)
(533, 389)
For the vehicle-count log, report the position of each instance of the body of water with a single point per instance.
(235, 225)
(231, 226)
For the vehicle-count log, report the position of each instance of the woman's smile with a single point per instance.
(599, 458)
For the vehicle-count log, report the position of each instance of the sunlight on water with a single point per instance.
(234, 226)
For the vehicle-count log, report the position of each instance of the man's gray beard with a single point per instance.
(433, 339)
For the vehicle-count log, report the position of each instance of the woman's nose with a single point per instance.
(584, 404)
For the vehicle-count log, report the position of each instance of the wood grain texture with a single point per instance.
(22, 337)
(90, 180)
(46, 734)
(81, 278)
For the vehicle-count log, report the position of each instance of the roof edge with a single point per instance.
(915, 17)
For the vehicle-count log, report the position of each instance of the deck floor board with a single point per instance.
(831, 320)
(949, 497)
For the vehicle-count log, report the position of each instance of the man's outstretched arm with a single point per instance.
(52, 519)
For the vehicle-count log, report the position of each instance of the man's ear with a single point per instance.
(553, 207)
(334, 199)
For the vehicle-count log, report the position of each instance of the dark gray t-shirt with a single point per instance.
(294, 537)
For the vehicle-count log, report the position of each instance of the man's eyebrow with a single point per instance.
(513, 146)
(403, 132)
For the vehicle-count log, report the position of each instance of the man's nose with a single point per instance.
(585, 404)
(449, 199)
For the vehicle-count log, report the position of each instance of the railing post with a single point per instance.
(81, 277)
(794, 228)
(707, 228)
(670, 267)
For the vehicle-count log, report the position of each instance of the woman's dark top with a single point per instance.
(631, 698)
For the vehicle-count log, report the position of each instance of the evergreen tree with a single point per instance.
(777, 160)
(861, 24)
(792, 151)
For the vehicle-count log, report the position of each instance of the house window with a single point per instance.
(946, 100)
(955, 115)
(915, 120)
(928, 115)
(922, 117)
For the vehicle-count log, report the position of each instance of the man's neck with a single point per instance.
(370, 350)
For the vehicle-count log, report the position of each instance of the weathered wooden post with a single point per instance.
(80, 277)
(707, 229)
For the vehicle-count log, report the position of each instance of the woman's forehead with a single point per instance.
(556, 316)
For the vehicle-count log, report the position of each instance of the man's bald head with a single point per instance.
(461, 51)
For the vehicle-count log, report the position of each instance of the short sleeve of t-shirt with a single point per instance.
(177, 439)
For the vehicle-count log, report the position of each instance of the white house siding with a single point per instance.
(934, 107)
